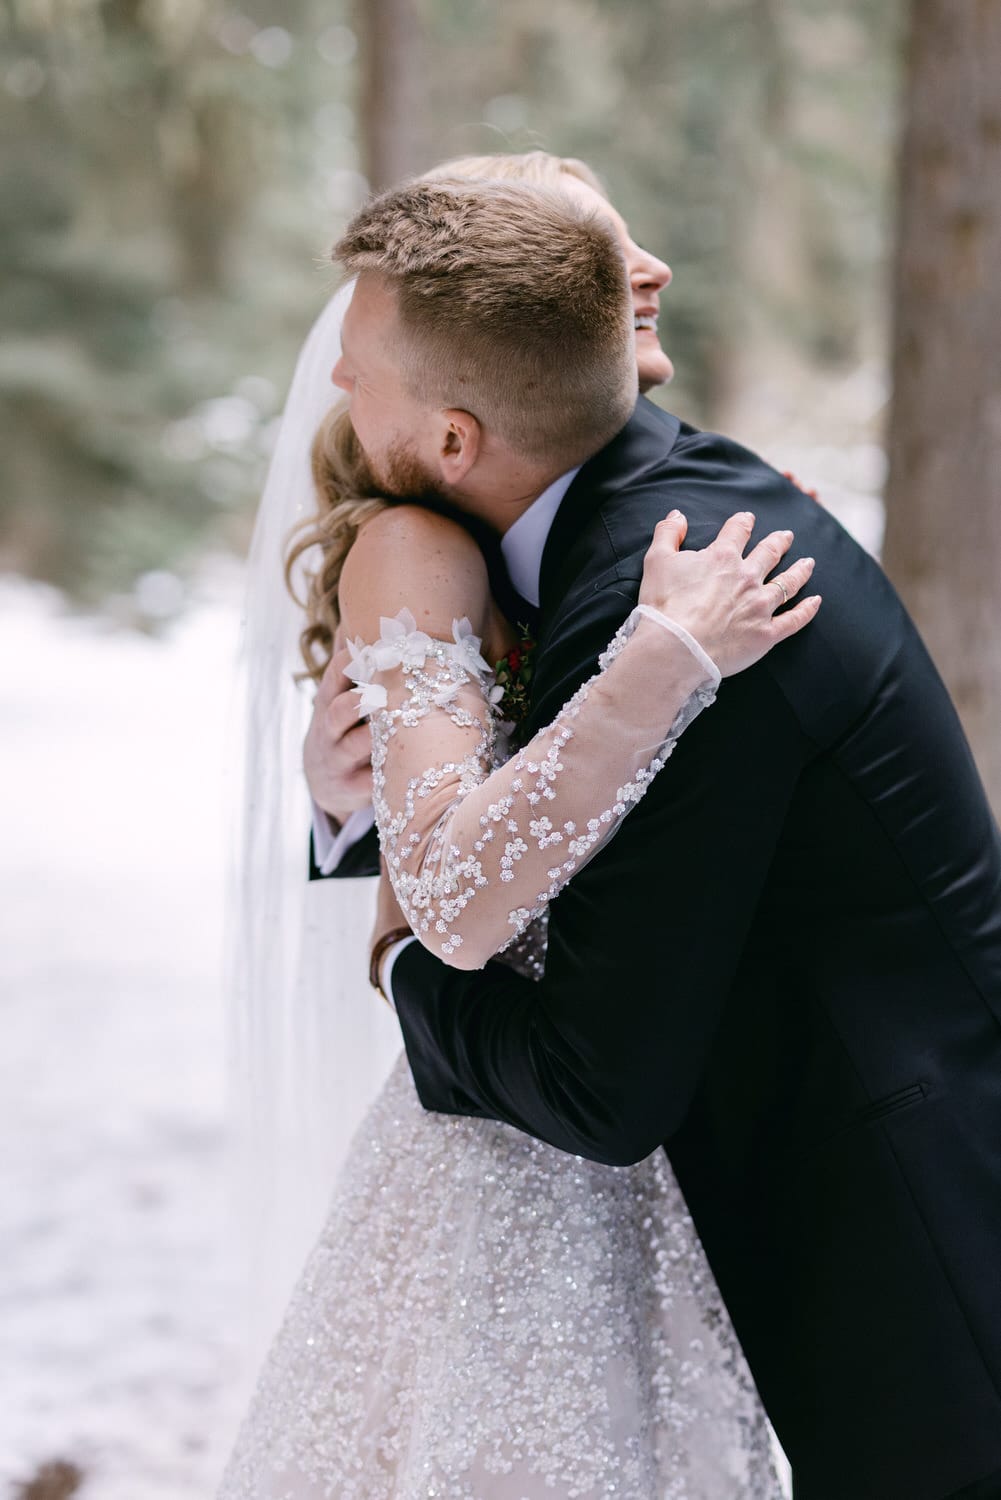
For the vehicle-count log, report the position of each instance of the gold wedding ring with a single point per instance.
(782, 590)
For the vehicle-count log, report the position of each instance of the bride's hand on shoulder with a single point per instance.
(727, 601)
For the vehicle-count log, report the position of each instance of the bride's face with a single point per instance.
(648, 277)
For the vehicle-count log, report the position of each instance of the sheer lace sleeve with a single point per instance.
(475, 848)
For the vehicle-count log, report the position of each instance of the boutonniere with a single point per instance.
(513, 674)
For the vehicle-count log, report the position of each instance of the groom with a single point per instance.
(786, 967)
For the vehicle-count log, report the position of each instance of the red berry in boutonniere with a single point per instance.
(514, 678)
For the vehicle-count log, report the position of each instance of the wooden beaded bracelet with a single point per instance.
(379, 951)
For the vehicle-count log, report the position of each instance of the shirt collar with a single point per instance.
(524, 543)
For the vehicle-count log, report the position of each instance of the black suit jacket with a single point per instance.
(787, 967)
(360, 859)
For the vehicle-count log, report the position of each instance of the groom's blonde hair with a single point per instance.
(513, 304)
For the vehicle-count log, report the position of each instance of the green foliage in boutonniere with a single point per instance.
(514, 679)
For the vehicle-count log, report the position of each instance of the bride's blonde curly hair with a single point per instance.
(346, 493)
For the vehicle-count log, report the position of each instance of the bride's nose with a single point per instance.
(650, 274)
(339, 377)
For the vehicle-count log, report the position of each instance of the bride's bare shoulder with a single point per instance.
(406, 557)
(404, 524)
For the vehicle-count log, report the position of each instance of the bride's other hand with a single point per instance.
(813, 494)
(720, 596)
(337, 753)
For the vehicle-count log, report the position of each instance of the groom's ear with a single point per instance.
(459, 445)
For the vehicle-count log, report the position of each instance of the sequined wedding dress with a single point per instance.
(485, 1317)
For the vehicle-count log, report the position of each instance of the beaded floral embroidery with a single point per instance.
(537, 826)
(485, 1317)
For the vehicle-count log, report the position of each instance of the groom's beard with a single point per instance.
(401, 475)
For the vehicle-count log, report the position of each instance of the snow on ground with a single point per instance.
(119, 1314)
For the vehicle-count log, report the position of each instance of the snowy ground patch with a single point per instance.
(120, 1346)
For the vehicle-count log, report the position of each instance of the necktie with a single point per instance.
(525, 614)
(514, 606)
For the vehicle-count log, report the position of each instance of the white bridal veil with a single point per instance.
(312, 1043)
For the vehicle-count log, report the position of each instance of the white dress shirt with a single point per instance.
(522, 546)
(524, 543)
(330, 842)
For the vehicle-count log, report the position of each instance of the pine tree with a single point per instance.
(943, 543)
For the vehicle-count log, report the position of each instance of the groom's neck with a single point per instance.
(498, 499)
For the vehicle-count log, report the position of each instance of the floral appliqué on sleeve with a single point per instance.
(459, 822)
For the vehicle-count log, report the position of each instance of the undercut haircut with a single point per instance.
(513, 304)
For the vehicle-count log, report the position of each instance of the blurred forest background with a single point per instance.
(176, 170)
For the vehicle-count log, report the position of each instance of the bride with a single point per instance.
(485, 1317)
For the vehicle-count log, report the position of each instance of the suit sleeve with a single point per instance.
(357, 862)
(602, 1057)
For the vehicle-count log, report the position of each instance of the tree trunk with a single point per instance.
(392, 90)
(943, 542)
